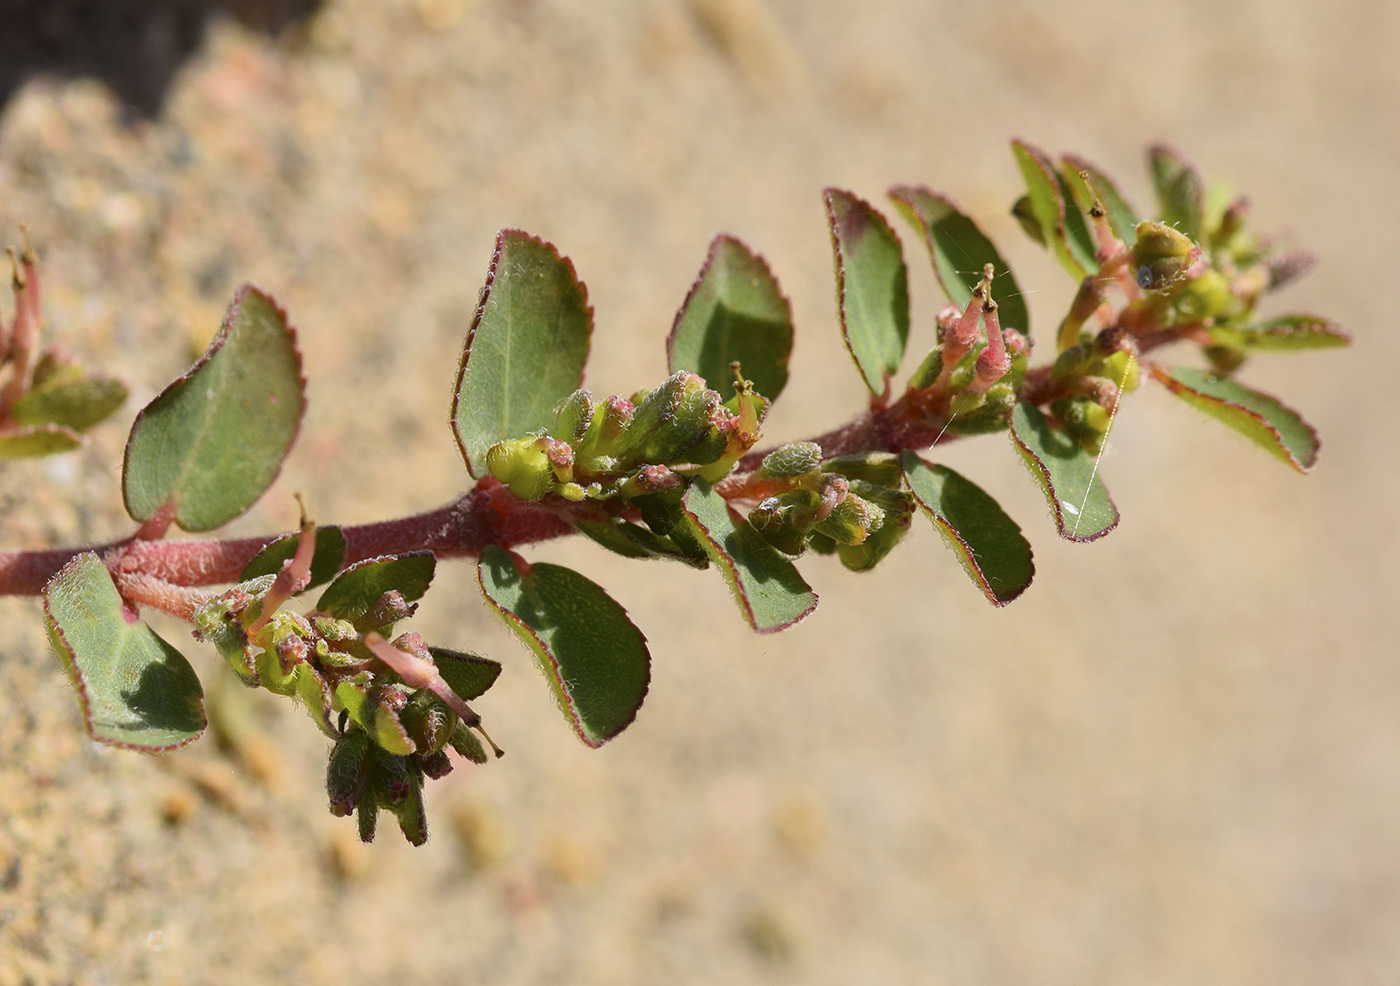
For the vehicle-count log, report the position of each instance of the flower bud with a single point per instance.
(435, 765)
(392, 776)
(784, 520)
(1162, 255)
(790, 461)
(523, 465)
(574, 416)
(428, 721)
(347, 771)
(928, 371)
(852, 520)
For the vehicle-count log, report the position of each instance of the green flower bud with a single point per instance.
(785, 519)
(1207, 296)
(1162, 255)
(790, 461)
(392, 775)
(852, 520)
(367, 815)
(574, 416)
(966, 403)
(428, 721)
(523, 465)
(347, 772)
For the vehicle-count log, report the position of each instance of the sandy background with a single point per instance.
(1175, 760)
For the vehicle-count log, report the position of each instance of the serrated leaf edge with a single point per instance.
(1042, 474)
(872, 213)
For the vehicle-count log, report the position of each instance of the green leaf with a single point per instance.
(1286, 334)
(526, 349)
(23, 443)
(1180, 190)
(872, 287)
(988, 543)
(1122, 218)
(355, 590)
(1260, 418)
(1066, 473)
(467, 674)
(594, 657)
(68, 398)
(768, 588)
(1057, 217)
(325, 563)
(136, 691)
(634, 541)
(214, 440)
(959, 251)
(735, 312)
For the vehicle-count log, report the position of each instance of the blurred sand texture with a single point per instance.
(1175, 760)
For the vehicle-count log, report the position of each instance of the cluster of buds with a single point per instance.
(850, 505)
(392, 707)
(978, 381)
(1094, 373)
(626, 448)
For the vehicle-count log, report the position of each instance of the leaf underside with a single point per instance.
(24, 443)
(136, 691)
(872, 287)
(959, 251)
(768, 588)
(214, 440)
(467, 674)
(1067, 475)
(1271, 425)
(988, 543)
(526, 349)
(734, 312)
(594, 658)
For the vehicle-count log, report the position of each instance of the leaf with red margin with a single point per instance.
(1287, 333)
(988, 543)
(136, 691)
(526, 349)
(214, 440)
(1262, 419)
(734, 312)
(768, 588)
(959, 251)
(1065, 473)
(1055, 211)
(595, 659)
(1180, 190)
(872, 286)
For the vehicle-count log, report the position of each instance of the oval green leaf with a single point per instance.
(325, 563)
(1058, 216)
(214, 440)
(136, 691)
(770, 591)
(467, 674)
(1262, 419)
(68, 398)
(1180, 190)
(594, 658)
(1280, 335)
(988, 543)
(734, 312)
(872, 287)
(526, 348)
(24, 443)
(355, 590)
(1122, 217)
(1067, 475)
(959, 251)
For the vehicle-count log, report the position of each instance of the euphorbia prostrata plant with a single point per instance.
(672, 472)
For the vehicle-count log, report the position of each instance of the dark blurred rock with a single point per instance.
(134, 46)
